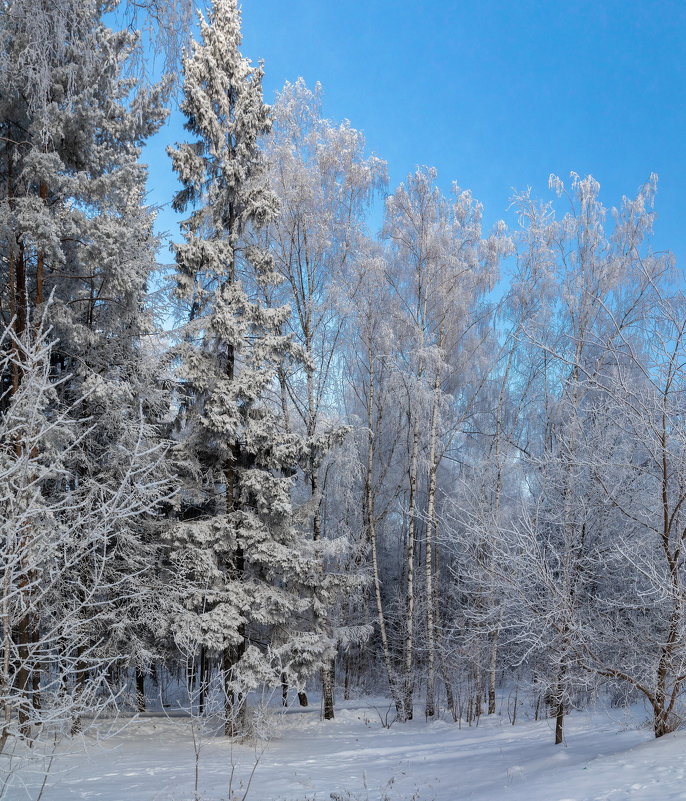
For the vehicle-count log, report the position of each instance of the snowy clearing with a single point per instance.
(605, 758)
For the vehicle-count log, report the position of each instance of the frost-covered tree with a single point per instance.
(324, 182)
(440, 267)
(592, 336)
(371, 388)
(628, 624)
(58, 535)
(75, 227)
(248, 567)
(637, 619)
(46, 33)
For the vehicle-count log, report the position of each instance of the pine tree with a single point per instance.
(239, 544)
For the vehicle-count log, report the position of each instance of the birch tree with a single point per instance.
(601, 291)
(440, 267)
(371, 389)
(324, 182)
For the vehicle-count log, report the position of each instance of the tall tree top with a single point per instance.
(224, 108)
(40, 37)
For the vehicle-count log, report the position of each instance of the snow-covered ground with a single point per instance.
(606, 758)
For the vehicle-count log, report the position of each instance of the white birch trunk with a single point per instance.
(408, 650)
(371, 529)
(434, 460)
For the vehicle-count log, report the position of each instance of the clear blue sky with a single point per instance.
(495, 94)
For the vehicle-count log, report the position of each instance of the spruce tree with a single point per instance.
(239, 545)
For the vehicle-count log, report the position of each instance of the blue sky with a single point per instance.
(495, 94)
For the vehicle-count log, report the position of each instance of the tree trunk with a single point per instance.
(449, 694)
(140, 689)
(190, 677)
(495, 632)
(5, 667)
(559, 722)
(429, 568)
(22, 675)
(234, 711)
(559, 705)
(284, 690)
(346, 677)
(81, 677)
(408, 680)
(40, 262)
(37, 667)
(234, 702)
(370, 515)
(516, 702)
(202, 680)
(328, 681)
(492, 665)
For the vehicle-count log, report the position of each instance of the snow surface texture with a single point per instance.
(605, 758)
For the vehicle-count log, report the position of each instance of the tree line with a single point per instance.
(436, 461)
